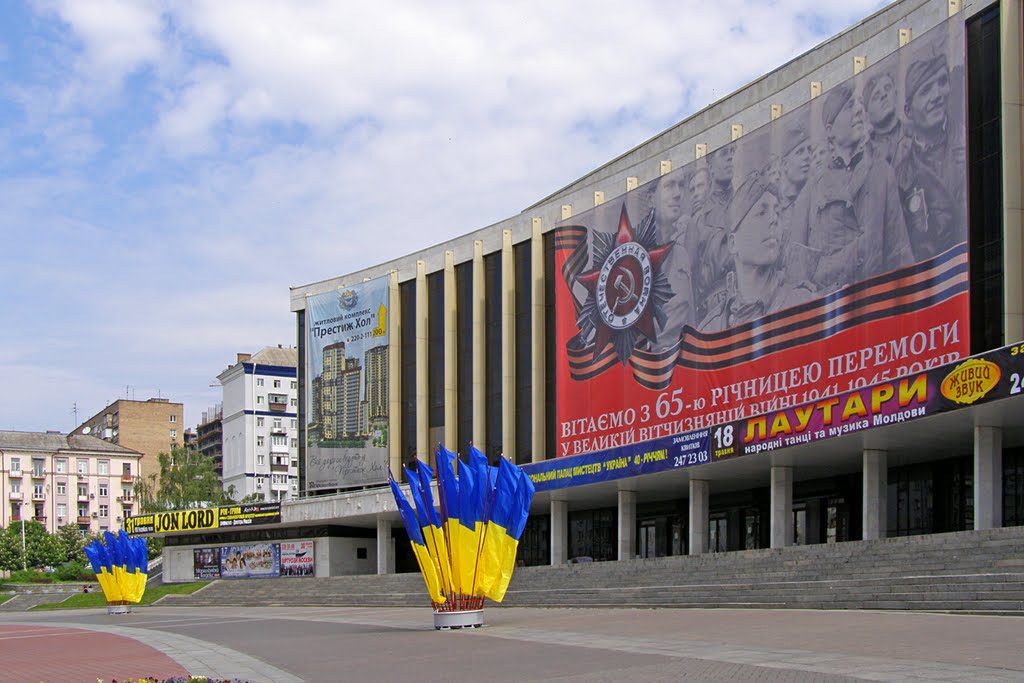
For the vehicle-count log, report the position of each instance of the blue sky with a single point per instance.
(169, 169)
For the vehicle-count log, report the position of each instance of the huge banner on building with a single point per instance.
(347, 386)
(822, 252)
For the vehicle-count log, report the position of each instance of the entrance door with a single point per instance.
(648, 539)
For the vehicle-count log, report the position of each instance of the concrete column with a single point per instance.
(782, 506)
(559, 532)
(875, 518)
(394, 373)
(698, 516)
(385, 547)
(538, 313)
(988, 477)
(627, 525)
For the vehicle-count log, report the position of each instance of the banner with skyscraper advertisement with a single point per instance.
(347, 386)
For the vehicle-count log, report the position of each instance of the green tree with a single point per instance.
(41, 548)
(187, 479)
(71, 542)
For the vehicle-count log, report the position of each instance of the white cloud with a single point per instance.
(199, 158)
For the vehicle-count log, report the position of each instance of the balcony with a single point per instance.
(38, 496)
(83, 497)
(84, 520)
(41, 520)
(278, 468)
(14, 495)
(15, 518)
(39, 474)
(127, 477)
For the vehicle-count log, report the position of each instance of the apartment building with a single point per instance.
(210, 437)
(60, 479)
(151, 427)
(259, 424)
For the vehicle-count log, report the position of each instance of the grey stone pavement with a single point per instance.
(289, 645)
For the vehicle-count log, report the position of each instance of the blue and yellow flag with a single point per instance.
(419, 546)
(498, 535)
(448, 494)
(436, 528)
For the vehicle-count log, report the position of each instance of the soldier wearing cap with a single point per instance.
(711, 258)
(931, 164)
(671, 201)
(850, 213)
(757, 285)
(879, 100)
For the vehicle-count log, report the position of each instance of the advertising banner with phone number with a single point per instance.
(984, 378)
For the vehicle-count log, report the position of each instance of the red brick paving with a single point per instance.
(47, 654)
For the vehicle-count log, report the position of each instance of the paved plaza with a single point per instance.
(290, 645)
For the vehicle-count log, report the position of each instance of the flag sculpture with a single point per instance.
(120, 565)
(466, 546)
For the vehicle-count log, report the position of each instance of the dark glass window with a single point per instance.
(1013, 487)
(535, 544)
(435, 359)
(594, 534)
(985, 180)
(524, 354)
(492, 356)
(407, 294)
(464, 354)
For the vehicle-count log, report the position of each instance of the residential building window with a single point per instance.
(37, 492)
(259, 400)
(126, 493)
(277, 423)
(37, 467)
(279, 440)
(104, 510)
(104, 490)
(174, 434)
(295, 443)
(260, 459)
(259, 381)
(83, 466)
(295, 463)
(62, 465)
(62, 511)
(277, 384)
(174, 418)
(259, 482)
(294, 424)
(83, 490)
(62, 488)
(259, 440)
(295, 385)
(15, 485)
(103, 467)
(15, 465)
(295, 401)
(83, 510)
(259, 421)
(126, 469)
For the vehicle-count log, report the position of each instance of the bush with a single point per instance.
(70, 571)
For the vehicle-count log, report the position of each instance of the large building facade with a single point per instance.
(151, 427)
(663, 342)
(61, 479)
(259, 431)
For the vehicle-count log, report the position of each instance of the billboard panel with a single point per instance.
(821, 253)
(297, 558)
(206, 563)
(259, 560)
(347, 386)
